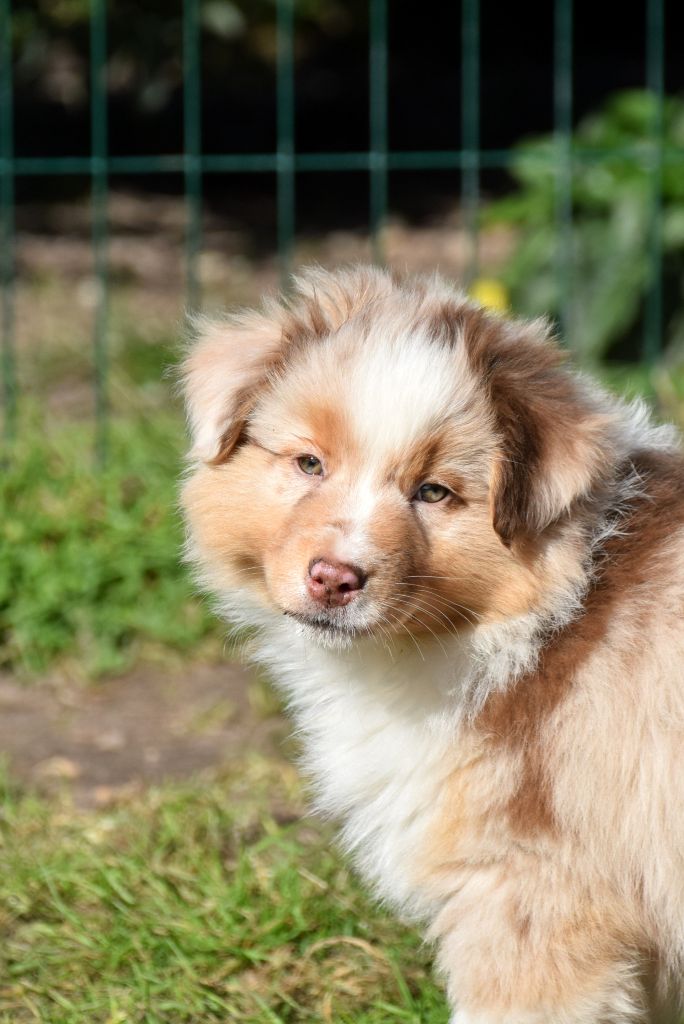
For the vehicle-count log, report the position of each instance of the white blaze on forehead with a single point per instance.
(399, 388)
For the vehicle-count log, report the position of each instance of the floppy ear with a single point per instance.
(220, 376)
(230, 358)
(555, 439)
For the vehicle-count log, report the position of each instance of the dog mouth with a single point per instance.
(331, 630)
(332, 625)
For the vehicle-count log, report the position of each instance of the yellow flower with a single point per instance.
(490, 293)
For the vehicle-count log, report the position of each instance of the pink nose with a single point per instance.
(331, 584)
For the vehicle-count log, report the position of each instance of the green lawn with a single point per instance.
(90, 571)
(197, 903)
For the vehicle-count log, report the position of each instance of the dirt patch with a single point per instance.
(56, 292)
(106, 741)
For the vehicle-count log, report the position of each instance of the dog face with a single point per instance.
(377, 458)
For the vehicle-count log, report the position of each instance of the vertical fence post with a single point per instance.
(99, 183)
(286, 143)
(9, 383)
(562, 119)
(655, 79)
(377, 157)
(470, 132)
(192, 156)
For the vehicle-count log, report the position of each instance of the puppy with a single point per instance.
(464, 566)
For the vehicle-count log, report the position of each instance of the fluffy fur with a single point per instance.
(497, 716)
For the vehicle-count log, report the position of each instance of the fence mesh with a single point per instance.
(469, 159)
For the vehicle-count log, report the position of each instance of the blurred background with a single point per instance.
(164, 157)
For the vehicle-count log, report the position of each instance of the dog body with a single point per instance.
(465, 566)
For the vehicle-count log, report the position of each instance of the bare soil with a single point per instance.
(57, 293)
(106, 741)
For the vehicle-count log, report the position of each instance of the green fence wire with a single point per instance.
(562, 103)
(192, 141)
(99, 174)
(655, 80)
(469, 160)
(470, 128)
(7, 169)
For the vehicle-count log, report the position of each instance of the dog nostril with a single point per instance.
(333, 581)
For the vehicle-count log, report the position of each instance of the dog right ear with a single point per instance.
(220, 376)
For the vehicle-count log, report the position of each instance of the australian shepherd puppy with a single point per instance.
(464, 566)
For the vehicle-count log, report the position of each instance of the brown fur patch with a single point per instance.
(517, 716)
(329, 429)
(422, 464)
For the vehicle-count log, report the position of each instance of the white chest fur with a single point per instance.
(380, 734)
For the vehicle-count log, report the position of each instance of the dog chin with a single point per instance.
(333, 631)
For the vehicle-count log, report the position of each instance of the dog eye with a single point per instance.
(310, 464)
(432, 493)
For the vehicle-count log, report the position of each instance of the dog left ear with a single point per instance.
(555, 439)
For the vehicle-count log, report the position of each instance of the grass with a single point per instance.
(91, 578)
(90, 568)
(209, 901)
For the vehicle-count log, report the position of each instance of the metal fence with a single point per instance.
(468, 158)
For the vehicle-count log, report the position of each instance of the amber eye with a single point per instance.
(432, 493)
(310, 464)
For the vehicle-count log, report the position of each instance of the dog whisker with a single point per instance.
(463, 609)
(434, 612)
(415, 615)
(387, 643)
(397, 621)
